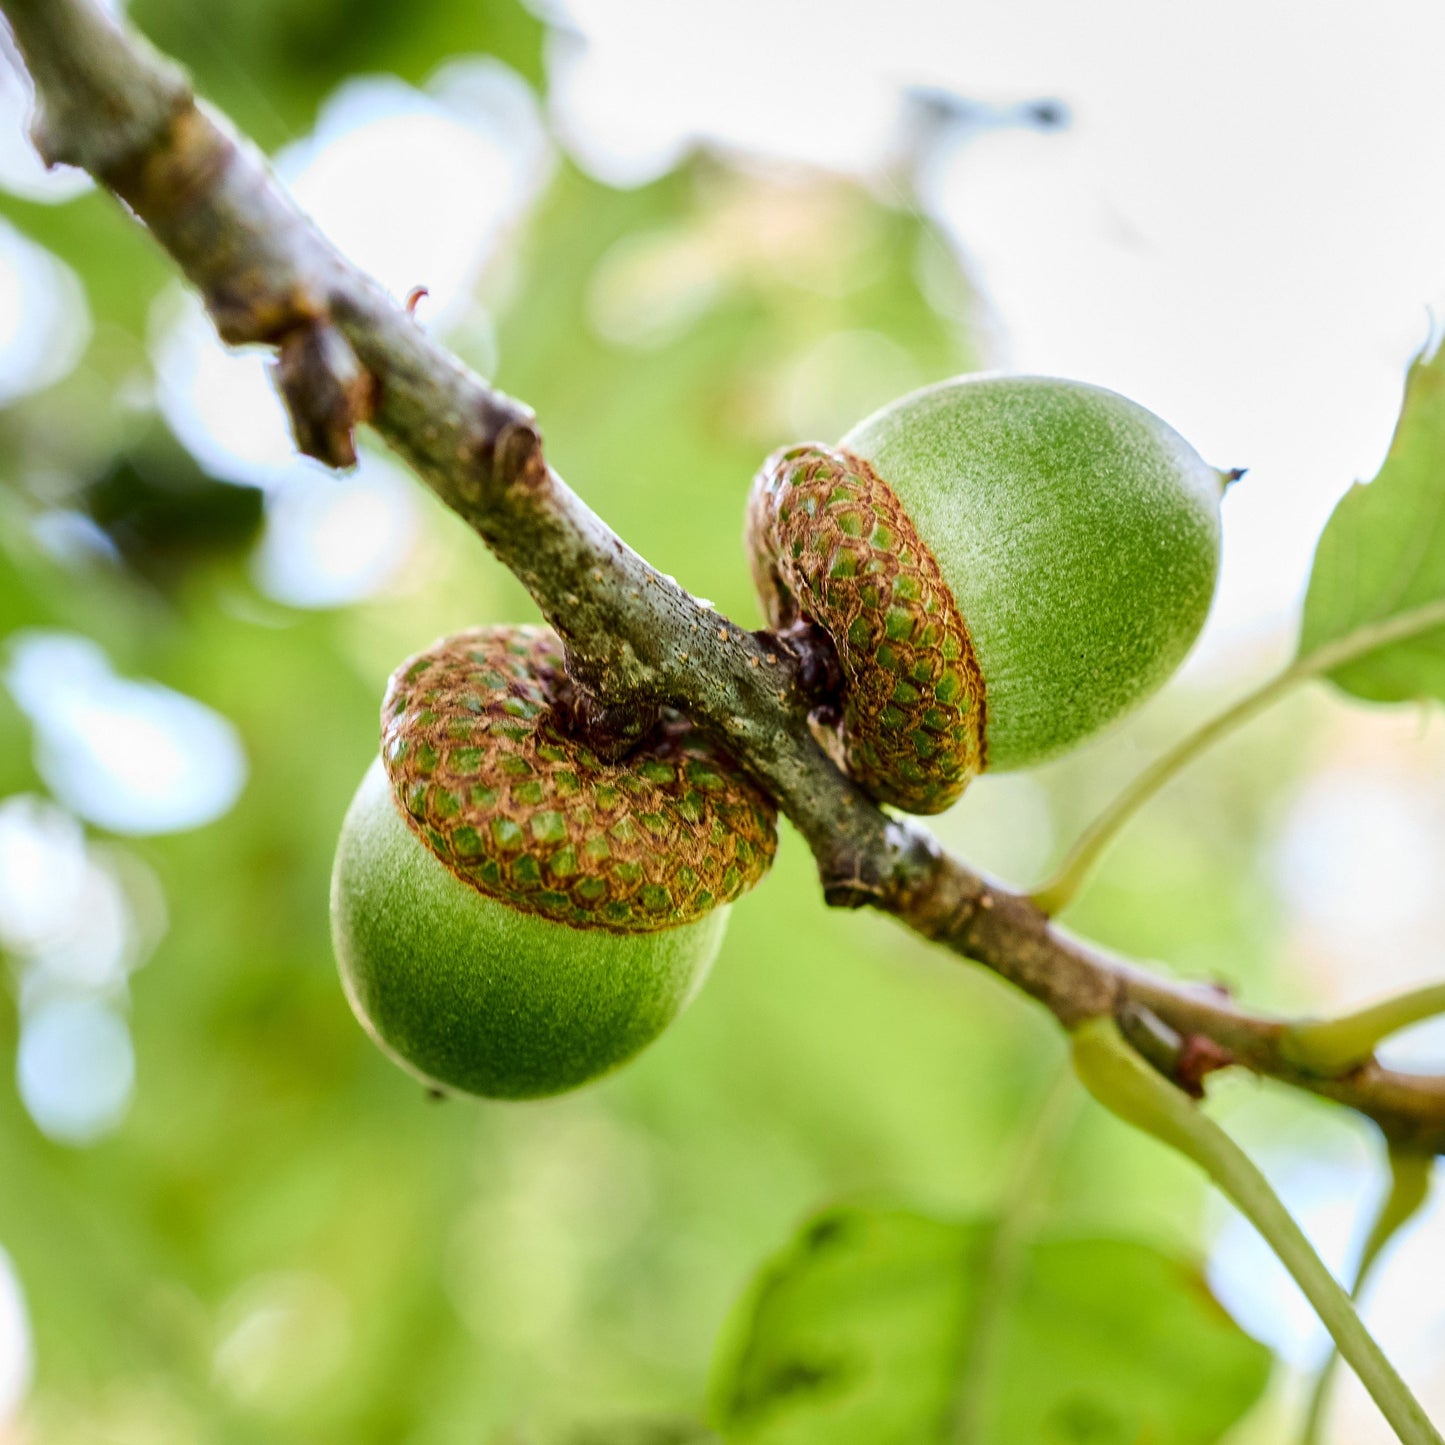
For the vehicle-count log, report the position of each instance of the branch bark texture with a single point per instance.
(348, 354)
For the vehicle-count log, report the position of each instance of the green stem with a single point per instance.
(1409, 1186)
(1063, 887)
(1331, 1047)
(1018, 1207)
(1121, 1081)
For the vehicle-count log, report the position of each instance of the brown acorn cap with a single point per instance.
(489, 778)
(829, 541)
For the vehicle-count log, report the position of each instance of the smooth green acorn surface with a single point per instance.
(472, 994)
(1078, 533)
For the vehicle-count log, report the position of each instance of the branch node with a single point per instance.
(816, 665)
(852, 878)
(1200, 1057)
(326, 390)
(611, 730)
(851, 893)
(518, 459)
(1152, 1038)
(1185, 1060)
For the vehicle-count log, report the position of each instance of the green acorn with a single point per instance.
(511, 914)
(1004, 565)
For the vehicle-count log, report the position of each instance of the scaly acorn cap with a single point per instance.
(829, 541)
(488, 776)
(1004, 564)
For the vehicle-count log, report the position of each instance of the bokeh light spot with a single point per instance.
(43, 867)
(334, 540)
(16, 1350)
(44, 319)
(134, 757)
(283, 1339)
(75, 1069)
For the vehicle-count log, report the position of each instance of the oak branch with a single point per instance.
(347, 354)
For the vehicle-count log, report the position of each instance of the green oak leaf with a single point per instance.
(1377, 588)
(874, 1327)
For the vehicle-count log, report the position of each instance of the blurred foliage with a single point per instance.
(286, 1240)
(881, 1326)
(267, 63)
(164, 514)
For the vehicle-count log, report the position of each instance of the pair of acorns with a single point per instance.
(1003, 565)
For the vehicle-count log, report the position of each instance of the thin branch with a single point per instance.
(1336, 1045)
(1409, 1190)
(350, 353)
(1061, 890)
(1118, 1077)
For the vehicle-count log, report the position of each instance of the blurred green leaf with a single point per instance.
(268, 63)
(165, 515)
(1382, 557)
(861, 1330)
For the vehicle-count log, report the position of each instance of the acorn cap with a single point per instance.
(469, 993)
(1059, 541)
(829, 541)
(488, 776)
